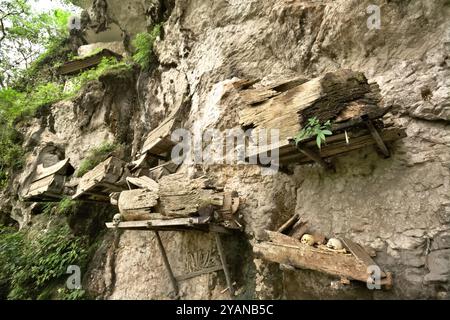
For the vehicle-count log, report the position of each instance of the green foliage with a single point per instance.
(11, 244)
(25, 35)
(314, 129)
(106, 65)
(35, 265)
(143, 44)
(11, 152)
(14, 104)
(95, 157)
(66, 206)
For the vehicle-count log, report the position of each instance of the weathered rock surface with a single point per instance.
(399, 206)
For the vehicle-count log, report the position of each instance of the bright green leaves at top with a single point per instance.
(314, 128)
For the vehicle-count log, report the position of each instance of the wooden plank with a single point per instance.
(315, 157)
(306, 257)
(87, 62)
(167, 263)
(299, 229)
(281, 238)
(63, 167)
(144, 183)
(379, 141)
(360, 253)
(289, 223)
(341, 147)
(158, 141)
(198, 273)
(223, 259)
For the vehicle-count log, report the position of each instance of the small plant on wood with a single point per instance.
(314, 129)
(95, 157)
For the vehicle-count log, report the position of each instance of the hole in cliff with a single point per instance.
(426, 93)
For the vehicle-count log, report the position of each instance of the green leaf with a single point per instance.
(318, 141)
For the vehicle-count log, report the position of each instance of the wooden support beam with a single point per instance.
(172, 278)
(289, 223)
(376, 136)
(224, 264)
(317, 158)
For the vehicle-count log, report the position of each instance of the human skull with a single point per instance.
(116, 219)
(335, 244)
(307, 239)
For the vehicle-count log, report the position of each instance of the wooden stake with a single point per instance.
(224, 264)
(173, 280)
(376, 136)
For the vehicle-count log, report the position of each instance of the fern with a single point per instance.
(143, 43)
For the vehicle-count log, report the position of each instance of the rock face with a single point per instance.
(399, 206)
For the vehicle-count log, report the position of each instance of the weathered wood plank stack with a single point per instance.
(106, 178)
(351, 262)
(345, 97)
(48, 183)
(176, 198)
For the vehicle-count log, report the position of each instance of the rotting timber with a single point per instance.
(344, 97)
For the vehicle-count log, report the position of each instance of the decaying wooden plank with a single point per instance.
(336, 145)
(360, 253)
(289, 223)
(144, 183)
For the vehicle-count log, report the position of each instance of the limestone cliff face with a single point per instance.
(400, 207)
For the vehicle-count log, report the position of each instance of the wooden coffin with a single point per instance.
(107, 177)
(286, 250)
(345, 97)
(48, 183)
(176, 196)
(159, 140)
(81, 64)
